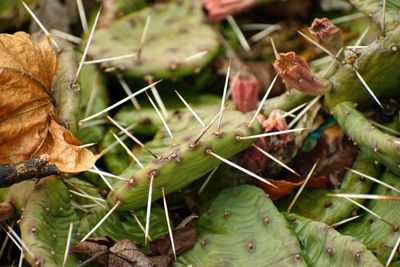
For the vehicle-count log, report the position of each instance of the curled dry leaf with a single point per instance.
(28, 126)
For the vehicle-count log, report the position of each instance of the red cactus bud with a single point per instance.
(245, 89)
(220, 9)
(327, 34)
(296, 73)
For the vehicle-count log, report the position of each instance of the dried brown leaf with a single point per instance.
(28, 126)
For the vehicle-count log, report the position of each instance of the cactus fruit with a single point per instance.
(377, 235)
(243, 228)
(122, 225)
(324, 246)
(380, 146)
(45, 222)
(185, 162)
(316, 205)
(164, 54)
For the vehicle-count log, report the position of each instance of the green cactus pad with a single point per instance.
(243, 228)
(315, 204)
(380, 146)
(94, 91)
(378, 64)
(176, 32)
(183, 163)
(45, 222)
(122, 225)
(376, 235)
(324, 246)
(373, 9)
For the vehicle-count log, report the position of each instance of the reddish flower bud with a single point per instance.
(327, 34)
(254, 160)
(220, 9)
(296, 73)
(245, 89)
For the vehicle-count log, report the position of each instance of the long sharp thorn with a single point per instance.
(302, 187)
(210, 175)
(107, 174)
(383, 17)
(171, 237)
(369, 211)
(93, 93)
(20, 241)
(385, 128)
(276, 160)
(87, 145)
(139, 223)
(347, 18)
(102, 220)
(82, 15)
(365, 196)
(69, 37)
(86, 195)
(87, 47)
(68, 245)
(104, 178)
(162, 119)
(122, 101)
(362, 36)
(371, 93)
(4, 245)
(277, 56)
(238, 33)
(289, 113)
(128, 91)
(157, 97)
(394, 251)
(111, 146)
(190, 109)
(374, 180)
(13, 239)
(209, 151)
(345, 221)
(205, 129)
(42, 27)
(143, 38)
(332, 63)
(270, 134)
(319, 46)
(195, 56)
(108, 59)
(264, 33)
(128, 151)
(148, 211)
(263, 100)
(304, 111)
(21, 259)
(221, 111)
(131, 136)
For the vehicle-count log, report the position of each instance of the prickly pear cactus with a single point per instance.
(164, 53)
(45, 222)
(316, 205)
(243, 228)
(380, 146)
(94, 98)
(377, 235)
(324, 246)
(187, 161)
(373, 9)
(122, 225)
